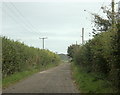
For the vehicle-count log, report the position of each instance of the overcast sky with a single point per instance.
(60, 22)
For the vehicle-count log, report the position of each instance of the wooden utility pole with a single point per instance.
(113, 13)
(82, 35)
(76, 42)
(43, 40)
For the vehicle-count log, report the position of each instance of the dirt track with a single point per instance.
(55, 80)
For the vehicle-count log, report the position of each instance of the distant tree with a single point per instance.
(72, 50)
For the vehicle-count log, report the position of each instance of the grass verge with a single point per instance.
(16, 77)
(90, 82)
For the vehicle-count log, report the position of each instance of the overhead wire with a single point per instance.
(100, 8)
(27, 21)
(21, 19)
(17, 21)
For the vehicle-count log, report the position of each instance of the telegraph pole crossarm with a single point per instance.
(43, 40)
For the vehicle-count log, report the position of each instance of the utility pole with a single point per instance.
(113, 14)
(82, 35)
(118, 12)
(43, 40)
(119, 9)
(76, 42)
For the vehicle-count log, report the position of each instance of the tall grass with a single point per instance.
(91, 82)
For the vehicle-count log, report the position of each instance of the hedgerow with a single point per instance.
(18, 57)
(102, 53)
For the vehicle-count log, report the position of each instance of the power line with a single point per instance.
(21, 17)
(18, 22)
(100, 8)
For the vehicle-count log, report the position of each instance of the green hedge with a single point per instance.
(18, 57)
(101, 55)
